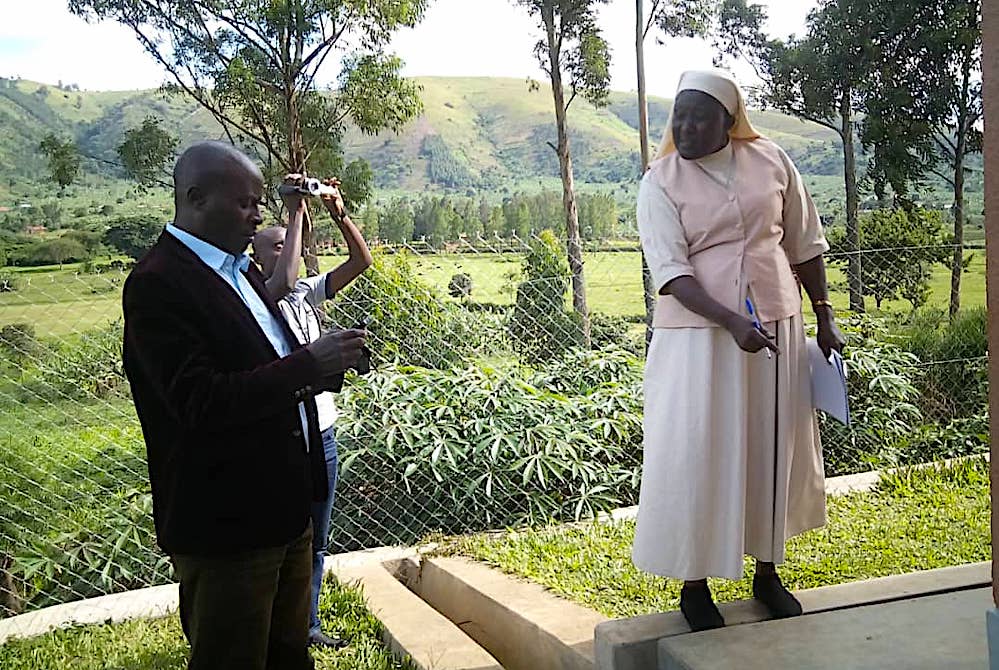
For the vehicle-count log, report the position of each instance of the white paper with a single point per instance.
(829, 392)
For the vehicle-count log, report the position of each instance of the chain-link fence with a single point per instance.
(492, 403)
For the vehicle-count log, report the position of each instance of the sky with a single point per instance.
(41, 40)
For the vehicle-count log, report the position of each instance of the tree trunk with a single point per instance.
(855, 269)
(961, 149)
(643, 134)
(573, 242)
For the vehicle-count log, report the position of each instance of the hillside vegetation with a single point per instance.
(474, 133)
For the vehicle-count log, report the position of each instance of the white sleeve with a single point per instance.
(803, 235)
(314, 289)
(663, 239)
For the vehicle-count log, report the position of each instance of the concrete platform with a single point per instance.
(932, 632)
(633, 643)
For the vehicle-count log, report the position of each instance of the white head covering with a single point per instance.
(723, 88)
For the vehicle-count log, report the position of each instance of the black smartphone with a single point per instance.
(363, 323)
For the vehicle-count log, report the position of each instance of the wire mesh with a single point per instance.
(492, 402)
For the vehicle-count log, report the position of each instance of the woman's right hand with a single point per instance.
(749, 337)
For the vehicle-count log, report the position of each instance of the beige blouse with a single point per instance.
(737, 221)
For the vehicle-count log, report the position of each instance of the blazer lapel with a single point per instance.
(226, 297)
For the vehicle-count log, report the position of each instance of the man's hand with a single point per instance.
(334, 203)
(828, 337)
(293, 201)
(749, 337)
(338, 351)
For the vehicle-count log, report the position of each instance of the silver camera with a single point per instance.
(309, 187)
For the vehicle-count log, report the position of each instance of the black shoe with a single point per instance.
(699, 609)
(769, 590)
(321, 639)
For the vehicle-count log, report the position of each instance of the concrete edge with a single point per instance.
(149, 603)
(413, 630)
(632, 643)
(520, 623)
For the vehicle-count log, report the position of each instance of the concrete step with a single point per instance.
(413, 629)
(522, 624)
(927, 633)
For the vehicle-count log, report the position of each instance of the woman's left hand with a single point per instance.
(829, 337)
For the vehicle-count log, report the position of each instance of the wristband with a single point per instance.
(822, 303)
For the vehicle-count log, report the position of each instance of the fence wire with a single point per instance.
(492, 403)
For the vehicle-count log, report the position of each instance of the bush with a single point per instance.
(77, 520)
(18, 342)
(426, 450)
(614, 332)
(954, 352)
(460, 286)
(412, 324)
(541, 328)
(883, 386)
(133, 235)
(87, 368)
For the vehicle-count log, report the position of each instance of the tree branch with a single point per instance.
(942, 175)
(554, 148)
(572, 97)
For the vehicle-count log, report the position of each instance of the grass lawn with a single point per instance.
(159, 644)
(914, 521)
(59, 302)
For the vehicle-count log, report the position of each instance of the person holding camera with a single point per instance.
(277, 251)
(224, 392)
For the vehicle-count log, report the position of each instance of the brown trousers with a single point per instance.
(248, 611)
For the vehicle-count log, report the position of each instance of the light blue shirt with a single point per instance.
(232, 270)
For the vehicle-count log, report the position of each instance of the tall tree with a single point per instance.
(64, 159)
(145, 152)
(926, 103)
(819, 78)
(674, 18)
(254, 66)
(572, 52)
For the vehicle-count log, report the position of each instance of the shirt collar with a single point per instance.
(209, 254)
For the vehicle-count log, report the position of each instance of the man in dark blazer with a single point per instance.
(224, 394)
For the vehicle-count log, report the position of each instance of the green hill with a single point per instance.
(474, 133)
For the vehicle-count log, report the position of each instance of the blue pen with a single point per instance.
(756, 321)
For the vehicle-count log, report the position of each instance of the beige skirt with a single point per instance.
(732, 460)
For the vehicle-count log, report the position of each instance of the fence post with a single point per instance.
(990, 65)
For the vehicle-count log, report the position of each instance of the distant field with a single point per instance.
(59, 302)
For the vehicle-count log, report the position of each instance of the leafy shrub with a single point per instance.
(460, 286)
(899, 250)
(133, 235)
(85, 368)
(18, 342)
(412, 323)
(608, 331)
(540, 326)
(954, 354)
(77, 519)
(472, 449)
(883, 386)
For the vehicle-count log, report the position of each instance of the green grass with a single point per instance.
(160, 645)
(914, 521)
(59, 302)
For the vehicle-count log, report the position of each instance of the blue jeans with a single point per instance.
(321, 526)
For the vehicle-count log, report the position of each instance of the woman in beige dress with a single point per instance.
(732, 460)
